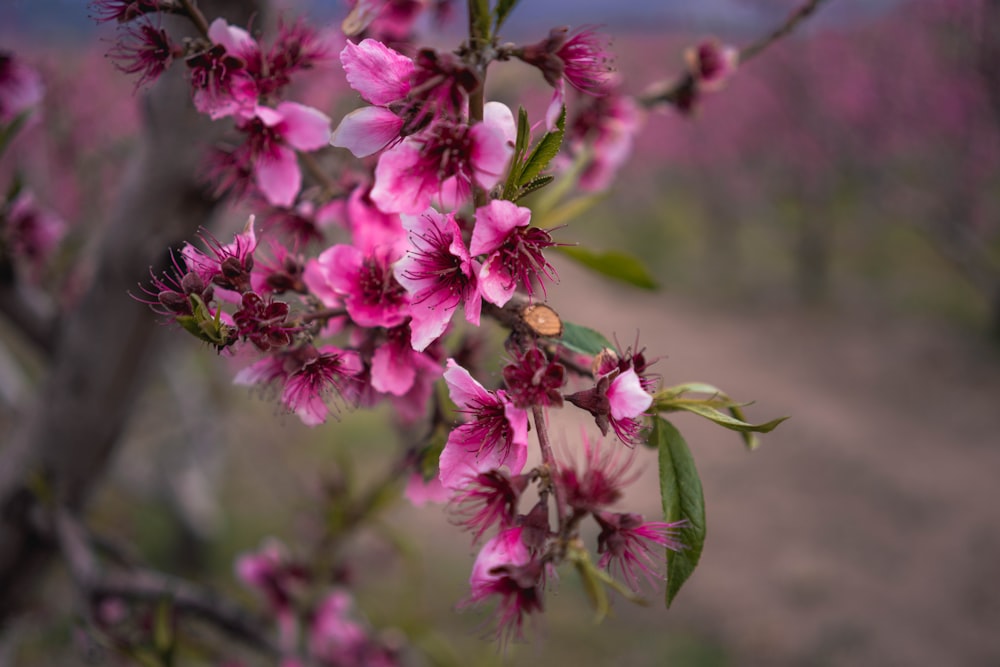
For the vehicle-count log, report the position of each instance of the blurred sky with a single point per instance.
(61, 18)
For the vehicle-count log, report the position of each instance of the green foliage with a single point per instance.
(524, 175)
(583, 340)
(502, 11)
(202, 325)
(681, 494)
(613, 264)
(673, 399)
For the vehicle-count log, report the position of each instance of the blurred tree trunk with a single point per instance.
(65, 438)
(989, 69)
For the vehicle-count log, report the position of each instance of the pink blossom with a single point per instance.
(121, 11)
(495, 436)
(372, 229)
(229, 265)
(20, 87)
(410, 175)
(272, 137)
(144, 49)
(711, 64)
(223, 86)
(505, 568)
(600, 481)
(580, 58)
(30, 231)
(488, 499)
(604, 129)
(627, 545)
(364, 282)
(327, 375)
(380, 74)
(438, 273)
(616, 402)
(533, 379)
(513, 249)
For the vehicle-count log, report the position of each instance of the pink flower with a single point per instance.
(711, 64)
(20, 87)
(601, 480)
(604, 128)
(272, 137)
(263, 322)
(505, 568)
(30, 231)
(513, 249)
(495, 436)
(230, 265)
(626, 545)
(488, 499)
(121, 11)
(297, 47)
(616, 401)
(222, 84)
(328, 373)
(581, 58)
(364, 282)
(438, 273)
(408, 94)
(440, 163)
(141, 48)
(533, 379)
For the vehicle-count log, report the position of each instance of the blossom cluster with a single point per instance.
(349, 290)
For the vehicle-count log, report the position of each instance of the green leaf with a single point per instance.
(481, 18)
(546, 149)
(613, 264)
(680, 492)
(550, 216)
(512, 184)
(502, 10)
(583, 340)
(703, 409)
(536, 184)
(163, 631)
(592, 585)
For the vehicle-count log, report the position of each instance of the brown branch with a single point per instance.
(103, 343)
(192, 12)
(29, 316)
(681, 90)
(149, 586)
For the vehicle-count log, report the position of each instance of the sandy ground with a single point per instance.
(867, 528)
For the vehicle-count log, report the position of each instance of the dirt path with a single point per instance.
(867, 529)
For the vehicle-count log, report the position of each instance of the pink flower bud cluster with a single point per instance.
(316, 618)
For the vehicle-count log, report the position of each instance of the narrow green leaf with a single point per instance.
(583, 340)
(702, 409)
(536, 184)
(546, 149)
(680, 492)
(163, 630)
(613, 264)
(502, 10)
(750, 438)
(689, 388)
(591, 583)
(513, 181)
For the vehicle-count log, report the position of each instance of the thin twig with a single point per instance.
(193, 13)
(151, 586)
(793, 20)
(682, 87)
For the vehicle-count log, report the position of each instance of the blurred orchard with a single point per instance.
(152, 513)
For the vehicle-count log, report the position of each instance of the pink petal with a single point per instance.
(627, 397)
(278, 176)
(463, 388)
(490, 154)
(499, 116)
(392, 372)
(380, 74)
(399, 184)
(428, 324)
(236, 41)
(494, 222)
(555, 107)
(420, 491)
(367, 131)
(495, 283)
(304, 128)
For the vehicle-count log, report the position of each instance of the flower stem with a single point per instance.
(548, 461)
(193, 13)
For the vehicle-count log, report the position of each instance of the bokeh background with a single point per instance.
(826, 235)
